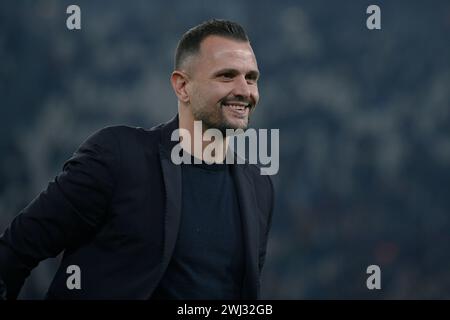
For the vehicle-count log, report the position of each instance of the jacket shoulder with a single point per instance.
(119, 131)
(255, 172)
(127, 136)
(263, 185)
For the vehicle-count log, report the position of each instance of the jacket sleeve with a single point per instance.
(66, 213)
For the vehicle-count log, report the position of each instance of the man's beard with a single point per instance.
(216, 119)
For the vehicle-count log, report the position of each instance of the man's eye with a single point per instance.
(227, 75)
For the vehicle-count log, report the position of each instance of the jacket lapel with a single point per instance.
(172, 183)
(250, 230)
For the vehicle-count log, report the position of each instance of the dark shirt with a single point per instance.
(208, 259)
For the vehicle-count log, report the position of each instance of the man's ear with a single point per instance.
(179, 80)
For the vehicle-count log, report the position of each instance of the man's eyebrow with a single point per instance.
(252, 73)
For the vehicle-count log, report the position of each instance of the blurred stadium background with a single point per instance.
(363, 116)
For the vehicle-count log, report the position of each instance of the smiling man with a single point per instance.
(134, 224)
(215, 80)
(216, 84)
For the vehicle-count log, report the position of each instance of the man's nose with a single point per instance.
(241, 87)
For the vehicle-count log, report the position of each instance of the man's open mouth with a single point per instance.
(236, 106)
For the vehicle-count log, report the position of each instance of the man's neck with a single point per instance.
(195, 143)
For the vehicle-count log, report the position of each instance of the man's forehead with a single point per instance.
(218, 48)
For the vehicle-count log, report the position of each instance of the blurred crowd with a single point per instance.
(364, 119)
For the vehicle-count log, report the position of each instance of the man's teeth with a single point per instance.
(235, 106)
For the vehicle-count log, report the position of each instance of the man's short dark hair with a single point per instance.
(191, 40)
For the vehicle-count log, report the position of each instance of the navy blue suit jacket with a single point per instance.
(115, 211)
